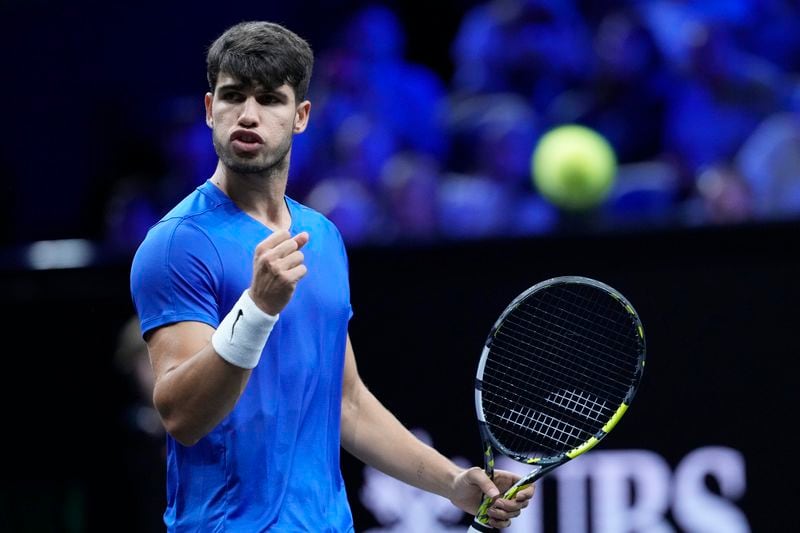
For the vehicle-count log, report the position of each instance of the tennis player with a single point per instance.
(243, 298)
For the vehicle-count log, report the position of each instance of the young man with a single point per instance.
(243, 298)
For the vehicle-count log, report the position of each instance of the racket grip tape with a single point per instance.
(478, 524)
(478, 527)
(512, 492)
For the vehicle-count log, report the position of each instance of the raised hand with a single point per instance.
(277, 267)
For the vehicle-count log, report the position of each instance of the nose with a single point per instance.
(248, 117)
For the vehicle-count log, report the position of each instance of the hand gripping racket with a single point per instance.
(559, 369)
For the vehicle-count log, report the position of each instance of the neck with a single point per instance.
(260, 196)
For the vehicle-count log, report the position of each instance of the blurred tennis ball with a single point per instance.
(573, 167)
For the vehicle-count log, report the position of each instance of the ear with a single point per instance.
(209, 100)
(301, 116)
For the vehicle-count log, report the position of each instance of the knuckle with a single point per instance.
(268, 256)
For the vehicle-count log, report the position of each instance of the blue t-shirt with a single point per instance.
(273, 462)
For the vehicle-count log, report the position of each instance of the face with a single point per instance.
(253, 126)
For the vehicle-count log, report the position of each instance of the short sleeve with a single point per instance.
(175, 276)
(346, 261)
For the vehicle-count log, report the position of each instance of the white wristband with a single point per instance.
(242, 334)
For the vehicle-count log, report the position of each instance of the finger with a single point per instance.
(283, 249)
(286, 247)
(499, 524)
(478, 477)
(273, 240)
(296, 274)
(301, 239)
(526, 494)
(502, 514)
(292, 260)
(504, 479)
(504, 509)
(514, 502)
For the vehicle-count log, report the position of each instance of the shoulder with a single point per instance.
(172, 233)
(307, 218)
(192, 217)
(205, 202)
(172, 248)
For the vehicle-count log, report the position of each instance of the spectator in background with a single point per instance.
(672, 85)
(353, 207)
(724, 195)
(627, 104)
(629, 92)
(370, 104)
(721, 93)
(769, 163)
(176, 162)
(487, 189)
(410, 185)
(677, 88)
(535, 48)
(770, 30)
(710, 112)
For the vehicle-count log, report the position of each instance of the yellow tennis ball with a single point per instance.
(574, 167)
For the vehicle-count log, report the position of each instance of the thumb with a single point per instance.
(478, 477)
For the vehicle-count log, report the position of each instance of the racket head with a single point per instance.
(559, 368)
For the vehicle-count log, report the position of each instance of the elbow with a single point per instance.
(176, 425)
(183, 434)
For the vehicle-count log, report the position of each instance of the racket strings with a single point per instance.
(559, 359)
(560, 364)
(575, 342)
(545, 425)
(519, 373)
(580, 403)
(563, 355)
(584, 324)
(511, 387)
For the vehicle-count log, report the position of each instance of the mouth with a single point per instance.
(246, 141)
(247, 136)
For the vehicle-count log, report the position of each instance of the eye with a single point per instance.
(268, 99)
(232, 96)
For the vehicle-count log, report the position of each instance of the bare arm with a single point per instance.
(194, 387)
(375, 436)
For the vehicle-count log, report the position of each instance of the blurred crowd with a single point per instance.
(699, 99)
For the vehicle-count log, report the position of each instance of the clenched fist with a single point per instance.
(277, 267)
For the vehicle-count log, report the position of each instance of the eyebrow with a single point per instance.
(241, 86)
(233, 86)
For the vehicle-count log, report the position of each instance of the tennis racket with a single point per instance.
(559, 369)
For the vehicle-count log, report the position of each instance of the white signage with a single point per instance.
(603, 491)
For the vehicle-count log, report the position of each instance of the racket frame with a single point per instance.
(543, 465)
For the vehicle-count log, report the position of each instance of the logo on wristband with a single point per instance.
(239, 315)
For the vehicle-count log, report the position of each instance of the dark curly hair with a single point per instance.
(265, 53)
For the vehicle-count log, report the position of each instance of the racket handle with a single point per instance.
(481, 528)
(477, 526)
